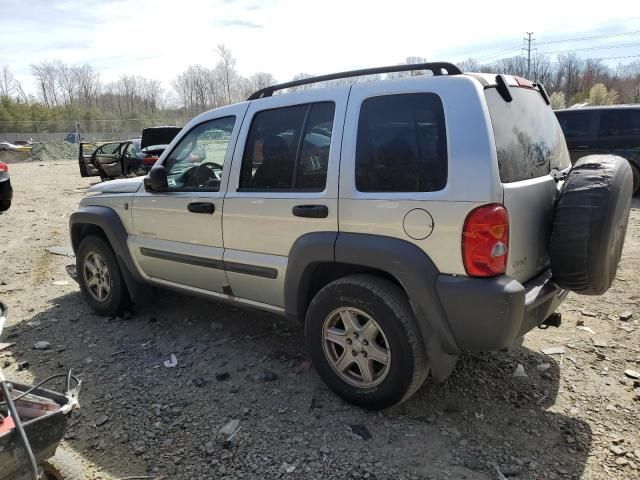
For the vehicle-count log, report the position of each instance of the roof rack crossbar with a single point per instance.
(436, 67)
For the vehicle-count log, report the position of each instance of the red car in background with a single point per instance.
(6, 192)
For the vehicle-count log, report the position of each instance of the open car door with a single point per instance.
(107, 160)
(84, 160)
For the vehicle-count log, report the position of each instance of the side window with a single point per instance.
(108, 149)
(288, 148)
(576, 124)
(622, 122)
(196, 163)
(402, 144)
(128, 150)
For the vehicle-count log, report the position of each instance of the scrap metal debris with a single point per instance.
(64, 251)
(172, 362)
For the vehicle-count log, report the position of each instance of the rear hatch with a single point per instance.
(531, 149)
(158, 136)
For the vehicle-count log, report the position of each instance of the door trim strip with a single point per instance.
(235, 267)
(179, 257)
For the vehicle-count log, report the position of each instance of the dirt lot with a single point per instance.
(577, 417)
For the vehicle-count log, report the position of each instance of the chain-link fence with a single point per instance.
(90, 130)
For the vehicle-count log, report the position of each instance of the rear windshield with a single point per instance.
(529, 141)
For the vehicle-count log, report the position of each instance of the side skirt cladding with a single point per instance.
(86, 220)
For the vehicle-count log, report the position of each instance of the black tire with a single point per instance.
(5, 205)
(590, 223)
(636, 178)
(117, 299)
(63, 466)
(388, 305)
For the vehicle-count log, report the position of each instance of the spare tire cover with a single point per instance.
(590, 223)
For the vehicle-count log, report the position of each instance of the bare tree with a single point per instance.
(226, 67)
(46, 80)
(7, 82)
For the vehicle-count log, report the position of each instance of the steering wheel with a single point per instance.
(205, 174)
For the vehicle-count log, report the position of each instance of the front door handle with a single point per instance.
(201, 207)
(310, 211)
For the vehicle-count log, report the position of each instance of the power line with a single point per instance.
(607, 47)
(498, 53)
(613, 58)
(593, 37)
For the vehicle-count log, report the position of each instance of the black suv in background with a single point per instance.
(614, 129)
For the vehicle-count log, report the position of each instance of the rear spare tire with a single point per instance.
(590, 223)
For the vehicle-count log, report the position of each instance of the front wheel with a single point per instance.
(364, 343)
(100, 278)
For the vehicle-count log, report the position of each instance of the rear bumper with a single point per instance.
(490, 313)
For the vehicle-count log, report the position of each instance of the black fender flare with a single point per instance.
(407, 263)
(107, 220)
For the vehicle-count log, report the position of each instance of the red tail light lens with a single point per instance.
(4, 168)
(485, 241)
(151, 160)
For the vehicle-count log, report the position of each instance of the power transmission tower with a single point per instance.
(528, 39)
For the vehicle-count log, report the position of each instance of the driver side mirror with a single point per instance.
(156, 180)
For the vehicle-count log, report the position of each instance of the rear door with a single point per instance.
(580, 128)
(529, 145)
(107, 159)
(283, 185)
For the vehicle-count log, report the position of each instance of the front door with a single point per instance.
(106, 159)
(283, 184)
(178, 233)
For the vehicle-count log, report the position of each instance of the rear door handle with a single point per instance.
(201, 207)
(310, 211)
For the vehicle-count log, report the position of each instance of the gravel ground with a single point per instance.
(574, 415)
(53, 150)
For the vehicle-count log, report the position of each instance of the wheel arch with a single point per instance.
(105, 223)
(319, 258)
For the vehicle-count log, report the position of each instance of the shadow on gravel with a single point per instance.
(251, 366)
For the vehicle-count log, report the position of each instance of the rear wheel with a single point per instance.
(100, 278)
(5, 205)
(364, 343)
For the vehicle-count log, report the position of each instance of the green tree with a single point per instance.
(599, 95)
(557, 100)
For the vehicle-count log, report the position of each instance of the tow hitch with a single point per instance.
(553, 320)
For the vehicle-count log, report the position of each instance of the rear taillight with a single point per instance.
(151, 160)
(4, 168)
(485, 241)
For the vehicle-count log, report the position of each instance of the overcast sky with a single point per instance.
(159, 39)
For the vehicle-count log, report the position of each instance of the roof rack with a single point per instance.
(437, 68)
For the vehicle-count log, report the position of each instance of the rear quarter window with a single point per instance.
(402, 144)
(529, 140)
